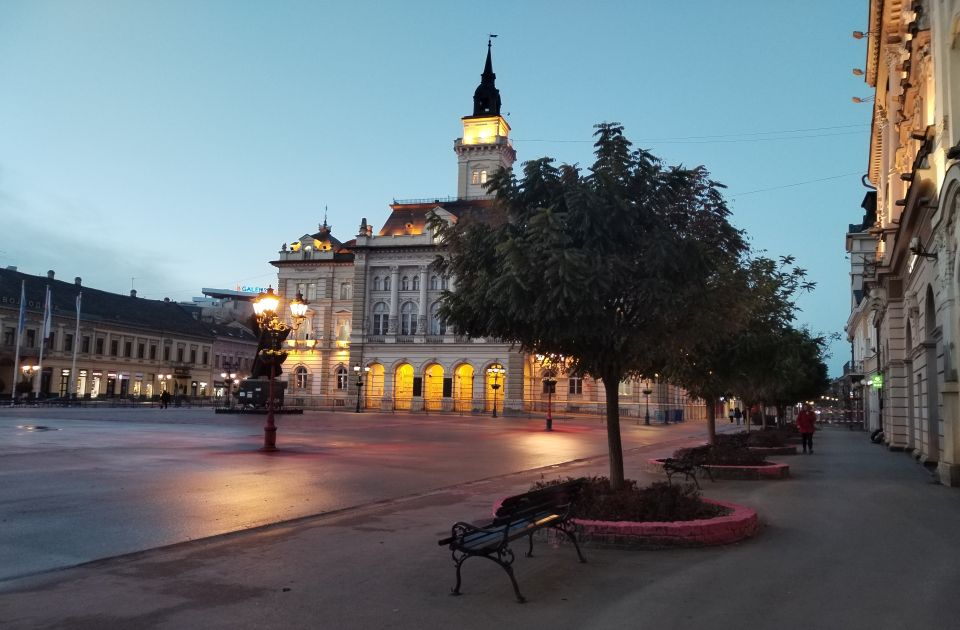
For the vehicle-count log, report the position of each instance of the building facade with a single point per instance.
(904, 329)
(119, 346)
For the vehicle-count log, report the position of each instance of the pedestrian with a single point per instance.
(164, 399)
(806, 422)
(730, 415)
(737, 415)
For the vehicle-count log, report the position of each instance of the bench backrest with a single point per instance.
(554, 499)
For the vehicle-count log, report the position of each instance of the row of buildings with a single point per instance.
(371, 337)
(904, 320)
(105, 345)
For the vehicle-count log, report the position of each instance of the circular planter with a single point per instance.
(766, 471)
(738, 524)
(774, 450)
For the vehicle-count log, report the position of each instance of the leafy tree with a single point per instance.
(615, 270)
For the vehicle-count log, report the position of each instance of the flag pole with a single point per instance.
(76, 342)
(44, 333)
(16, 360)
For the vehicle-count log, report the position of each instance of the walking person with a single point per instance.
(806, 422)
(164, 399)
(730, 414)
(737, 415)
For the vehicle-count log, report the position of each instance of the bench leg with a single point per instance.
(530, 551)
(504, 564)
(572, 535)
(456, 589)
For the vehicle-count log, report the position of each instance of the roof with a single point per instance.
(97, 305)
(411, 218)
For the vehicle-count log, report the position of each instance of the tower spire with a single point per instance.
(486, 98)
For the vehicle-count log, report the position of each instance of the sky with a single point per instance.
(169, 146)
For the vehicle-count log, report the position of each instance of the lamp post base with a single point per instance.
(269, 438)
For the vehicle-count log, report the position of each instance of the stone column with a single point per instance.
(423, 319)
(394, 300)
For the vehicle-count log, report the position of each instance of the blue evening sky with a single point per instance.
(175, 145)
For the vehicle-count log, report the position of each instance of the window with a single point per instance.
(9, 336)
(380, 316)
(114, 347)
(408, 318)
(68, 343)
(575, 385)
(437, 325)
(378, 284)
(416, 283)
(193, 356)
(434, 283)
(386, 283)
(405, 284)
(141, 348)
(300, 377)
(180, 354)
(153, 352)
(85, 345)
(52, 340)
(311, 293)
(346, 291)
(475, 177)
(100, 342)
(625, 388)
(443, 283)
(206, 357)
(166, 353)
(128, 348)
(483, 176)
(31, 338)
(341, 378)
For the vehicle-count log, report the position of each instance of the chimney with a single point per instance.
(133, 293)
(76, 281)
(11, 267)
(166, 300)
(50, 274)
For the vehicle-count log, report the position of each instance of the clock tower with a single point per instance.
(485, 146)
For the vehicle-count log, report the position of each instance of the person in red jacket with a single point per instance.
(806, 422)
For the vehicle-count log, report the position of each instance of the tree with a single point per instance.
(614, 270)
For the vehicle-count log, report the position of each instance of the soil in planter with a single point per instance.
(660, 501)
(720, 455)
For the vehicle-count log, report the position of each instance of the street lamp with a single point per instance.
(230, 378)
(359, 374)
(495, 372)
(646, 414)
(265, 306)
(549, 388)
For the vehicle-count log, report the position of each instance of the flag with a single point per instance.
(47, 315)
(79, 296)
(23, 308)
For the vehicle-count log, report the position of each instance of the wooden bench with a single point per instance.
(673, 466)
(517, 516)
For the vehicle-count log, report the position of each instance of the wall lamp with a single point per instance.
(857, 99)
(916, 248)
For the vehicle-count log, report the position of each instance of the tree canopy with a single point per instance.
(617, 269)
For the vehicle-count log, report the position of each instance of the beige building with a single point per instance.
(905, 330)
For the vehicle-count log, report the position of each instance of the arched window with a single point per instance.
(380, 316)
(416, 283)
(341, 378)
(483, 177)
(434, 283)
(378, 284)
(408, 318)
(405, 284)
(443, 283)
(437, 325)
(346, 291)
(386, 283)
(300, 377)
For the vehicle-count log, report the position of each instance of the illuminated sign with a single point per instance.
(876, 381)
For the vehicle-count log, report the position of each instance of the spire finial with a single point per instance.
(324, 215)
(486, 99)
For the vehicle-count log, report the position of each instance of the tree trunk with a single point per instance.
(712, 420)
(614, 446)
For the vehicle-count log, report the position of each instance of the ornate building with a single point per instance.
(374, 300)
(903, 327)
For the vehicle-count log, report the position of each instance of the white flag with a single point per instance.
(47, 315)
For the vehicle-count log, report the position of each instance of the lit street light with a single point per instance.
(265, 306)
(231, 379)
(646, 414)
(495, 372)
(549, 388)
(359, 374)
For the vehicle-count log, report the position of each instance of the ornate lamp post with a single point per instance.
(265, 306)
(549, 388)
(231, 380)
(359, 373)
(646, 395)
(495, 372)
